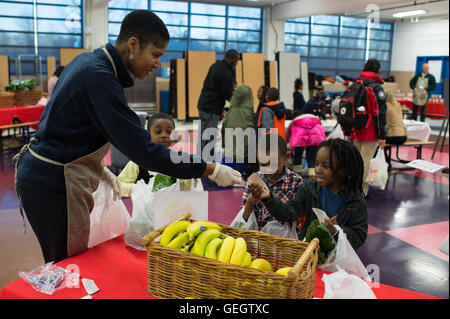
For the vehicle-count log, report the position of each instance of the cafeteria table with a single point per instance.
(120, 272)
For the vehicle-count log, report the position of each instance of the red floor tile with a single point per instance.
(426, 237)
(373, 230)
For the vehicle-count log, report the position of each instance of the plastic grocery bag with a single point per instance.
(343, 256)
(378, 174)
(49, 278)
(336, 133)
(285, 230)
(341, 285)
(239, 221)
(109, 218)
(143, 216)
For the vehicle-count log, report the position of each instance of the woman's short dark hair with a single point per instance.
(273, 94)
(146, 26)
(297, 84)
(58, 71)
(158, 116)
(372, 65)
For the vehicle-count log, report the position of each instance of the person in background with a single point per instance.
(51, 83)
(422, 84)
(305, 133)
(337, 190)
(395, 128)
(240, 115)
(373, 135)
(283, 183)
(317, 104)
(273, 113)
(335, 102)
(299, 101)
(217, 88)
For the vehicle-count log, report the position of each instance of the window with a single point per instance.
(39, 27)
(334, 45)
(197, 26)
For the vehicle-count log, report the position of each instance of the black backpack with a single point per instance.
(358, 104)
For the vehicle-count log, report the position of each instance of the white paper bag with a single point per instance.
(170, 204)
(108, 218)
(378, 174)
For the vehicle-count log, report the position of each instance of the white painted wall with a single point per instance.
(418, 39)
(273, 35)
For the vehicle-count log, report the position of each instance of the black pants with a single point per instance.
(47, 213)
(310, 155)
(422, 112)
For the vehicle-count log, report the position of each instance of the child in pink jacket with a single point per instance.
(305, 133)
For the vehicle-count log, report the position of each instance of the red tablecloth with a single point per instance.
(23, 113)
(121, 272)
(432, 107)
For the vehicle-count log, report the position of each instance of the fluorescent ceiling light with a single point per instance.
(408, 13)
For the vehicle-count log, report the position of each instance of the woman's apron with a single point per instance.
(82, 177)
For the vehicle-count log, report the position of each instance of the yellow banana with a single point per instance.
(180, 241)
(239, 250)
(203, 239)
(172, 230)
(283, 271)
(227, 249)
(261, 264)
(247, 260)
(198, 226)
(212, 248)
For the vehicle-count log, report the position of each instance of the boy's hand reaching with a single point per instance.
(258, 187)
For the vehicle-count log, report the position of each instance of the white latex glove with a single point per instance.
(225, 176)
(112, 180)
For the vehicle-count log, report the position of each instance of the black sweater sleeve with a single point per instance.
(107, 107)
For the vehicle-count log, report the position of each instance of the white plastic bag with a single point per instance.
(109, 218)
(378, 174)
(343, 256)
(143, 216)
(285, 230)
(49, 278)
(341, 285)
(239, 221)
(336, 133)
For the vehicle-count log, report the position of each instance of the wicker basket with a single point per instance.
(28, 97)
(6, 99)
(173, 273)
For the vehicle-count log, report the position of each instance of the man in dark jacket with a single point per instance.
(422, 84)
(218, 87)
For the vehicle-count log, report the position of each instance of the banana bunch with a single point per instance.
(204, 238)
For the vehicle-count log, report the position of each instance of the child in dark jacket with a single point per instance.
(337, 190)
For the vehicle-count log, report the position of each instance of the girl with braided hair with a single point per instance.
(337, 190)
